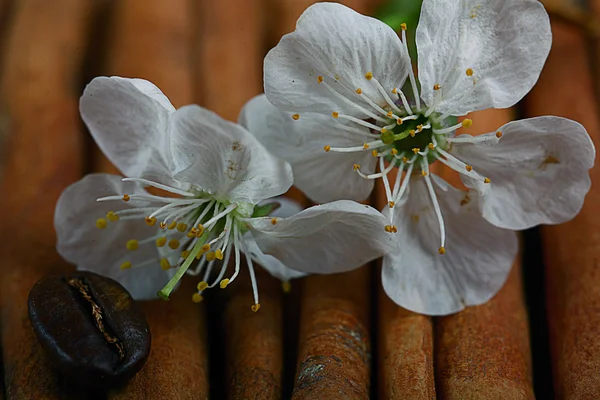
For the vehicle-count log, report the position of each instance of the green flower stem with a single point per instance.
(165, 292)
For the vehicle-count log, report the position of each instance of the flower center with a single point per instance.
(401, 134)
(192, 229)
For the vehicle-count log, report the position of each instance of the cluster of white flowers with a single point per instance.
(342, 108)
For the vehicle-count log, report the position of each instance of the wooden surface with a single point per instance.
(332, 336)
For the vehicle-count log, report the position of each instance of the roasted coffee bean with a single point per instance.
(90, 327)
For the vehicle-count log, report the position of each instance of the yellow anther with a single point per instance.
(424, 173)
(150, 221)
(255, 307)
(374, 153)
(391, 228)
(172, 225)
(486, 180)
(162, 225)
(327, 148)
(390, 114)
(161, 241)
(395, 90)
(185, 254)
(223, 284)
(219, 254)
(416, 150)
(420, 127)
(442, 250)
(335, 114)
(286, 286)
(101, 223)
(111, 216)
(404, 160)
(210, 256)
(412, 133)
(320, 79)
(204, 249)
(403, 26)
(437, 86)
(164, 264)
(399, 121)
(469, 72)
(202, 286)
(468, 168)
(273, 221)
(498, 134)
(197, 298)
(182, 227)
(126, 197)
(431, 146)
(126, 265)
(174, 244)
(199, 230)
(356, 167)
(467, 123)
(359, 91)
(296, 117)
(192, 233)
(369, 75)
(132, 244)
(391, 204)
(394, 152)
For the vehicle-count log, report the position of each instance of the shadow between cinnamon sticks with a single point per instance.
(42, 156)
(153, 40)
(571, 249)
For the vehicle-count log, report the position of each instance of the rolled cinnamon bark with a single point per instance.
(153, 40)
(42, 156)
(571, 249)
(470, 362)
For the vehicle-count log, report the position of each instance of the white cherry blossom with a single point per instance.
(195, 197)
(344, 107)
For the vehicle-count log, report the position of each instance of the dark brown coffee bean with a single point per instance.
(90, 327)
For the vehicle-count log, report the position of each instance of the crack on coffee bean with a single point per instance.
(97, 314)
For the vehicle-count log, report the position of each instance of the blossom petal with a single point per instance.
(340, 45)
(129, 119)
(330, 238)
(538, 172)
(287, 208)
(301, 143)
(476, 264)
(224, 159)
(504, 43)
(104, 250)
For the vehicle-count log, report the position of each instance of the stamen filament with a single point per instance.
(374, 144)
(411, 74)
(386, 96)
(402, 97)
(436, 205)
(159, 186)
(352, 103)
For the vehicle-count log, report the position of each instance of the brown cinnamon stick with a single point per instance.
(42, 156)
(405, 342)
(470, 362)
(571, 249)
(153, 40)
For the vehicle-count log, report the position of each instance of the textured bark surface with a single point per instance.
(571, 249)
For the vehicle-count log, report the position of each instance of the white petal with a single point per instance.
(128, 119)
(224, 159)
(476, 264)
(341, 45)
(103, 250)
(538, 172)
(317, 173)
(287, 207)
(330, 238)
(505, 43)
(275, 267)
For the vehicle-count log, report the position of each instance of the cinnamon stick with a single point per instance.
(43, 155)
(153, 40)
(571, 249)
(405, 358)
(470, 362)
